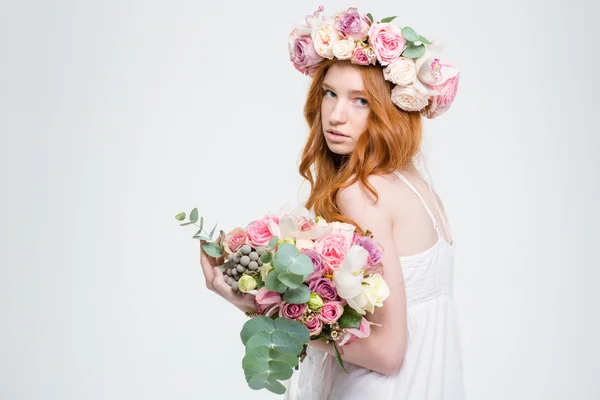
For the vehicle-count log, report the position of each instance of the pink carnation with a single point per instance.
(387, 41)
(258, 231)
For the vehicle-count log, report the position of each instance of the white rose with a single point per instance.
(324, 37)
(342, 49)
(408, 98)
(401, 72)
(375, 291)
(347, 279)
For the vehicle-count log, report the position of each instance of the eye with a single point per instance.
(328, 93)
(362, 102)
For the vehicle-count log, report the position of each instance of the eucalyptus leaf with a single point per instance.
(278, 340)
(254, 325)
(414, 51)
(299, 295)
(201, 222)
(274, 284)
(350, 318)
(212, 232)
(180, 216)
(212, 249)
(301, 265)
(294, 328)
(410, 34)
(284, 255)
(388, 19)
(266, 257)
(423, 40)
(222, 243)
(201, 237)
(194, 215)
(272, 243)
(338, 357)
(260, 362)
(186, 223)
(264, 381)
(370, 17)
(290, 279)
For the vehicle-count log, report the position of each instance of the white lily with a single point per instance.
(348, 278)
(430, 72)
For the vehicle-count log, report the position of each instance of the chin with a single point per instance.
(339, 149)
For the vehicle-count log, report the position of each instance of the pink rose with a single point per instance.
(292, 311)
(234, 240)
(353, 25)
(333, 249)
(324, 288)
(387, 41)
(307, 226)
(303, 54)
(351, 334)
(315, 326)
(331, 312)
(317, 262)
(265, 298)
(372, 246)
(440, 103)
(258, 231)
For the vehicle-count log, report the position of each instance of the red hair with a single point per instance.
(393, 136)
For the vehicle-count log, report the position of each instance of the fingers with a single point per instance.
(221, 286)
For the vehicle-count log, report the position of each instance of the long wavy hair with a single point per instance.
(392, 138)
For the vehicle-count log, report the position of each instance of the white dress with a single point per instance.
(432, 365)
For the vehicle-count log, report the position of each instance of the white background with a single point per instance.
(117, 115)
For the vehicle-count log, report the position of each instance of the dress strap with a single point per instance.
(410, 185)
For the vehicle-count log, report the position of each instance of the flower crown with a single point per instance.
(422, 81)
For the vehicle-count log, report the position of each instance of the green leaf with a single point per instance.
(180, 216)
(186, 223)
(299, 295)
(278, 340)
(212, 249)
(350, 318)
(338, 357)
(388, 19)
(370, 17)
(274, 284)
(413, 51)
(259, 284)
(410, 34)
(201, 237)
(266, 257)
(273, 243)
(201, 222)
(263, 381)
(284, 255)
(212, 232)
(301, 265)
(222, 238)
(290, 279)
(294, 328)
(423, 40)
(259, 362)
(194, 215)
(254, 325)
(222, 267)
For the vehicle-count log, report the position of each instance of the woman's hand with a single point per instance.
(215, 281)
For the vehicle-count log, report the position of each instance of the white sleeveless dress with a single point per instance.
(432, 365)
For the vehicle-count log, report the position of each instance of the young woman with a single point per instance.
(360, 161)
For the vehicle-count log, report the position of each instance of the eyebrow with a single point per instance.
(354, 92)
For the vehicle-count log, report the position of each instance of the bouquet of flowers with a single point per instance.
(311, 279)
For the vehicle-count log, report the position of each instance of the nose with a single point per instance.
(339, 113)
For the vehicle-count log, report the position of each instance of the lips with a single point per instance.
(336, 132)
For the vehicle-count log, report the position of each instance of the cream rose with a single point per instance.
(408, 98)
(324, 38)
(343, 49)
(401, 72)
(375, 291)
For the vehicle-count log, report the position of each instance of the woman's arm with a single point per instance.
(383, 351)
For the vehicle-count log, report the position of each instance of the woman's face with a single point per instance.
(344, 110)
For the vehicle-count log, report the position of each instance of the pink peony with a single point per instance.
(387, 41)
(440, 103)
(331, 312)
(314, 325)
(234, 240)
(265, 298)
(303, 54)
(292, 311)
(333, 249)
(324, 288)
(258, 231)
(353, 25)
